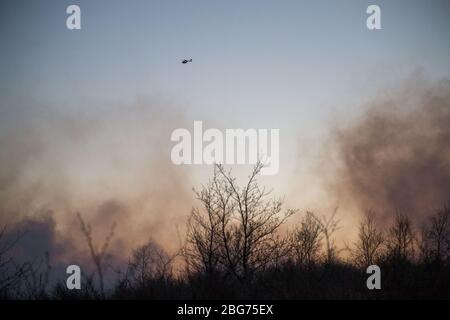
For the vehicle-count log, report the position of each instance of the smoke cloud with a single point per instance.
(396, 157)
(110, 162)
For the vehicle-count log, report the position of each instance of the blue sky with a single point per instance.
(284, 59)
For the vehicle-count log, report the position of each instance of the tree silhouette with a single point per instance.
(328, 226)
(401, 239)
(12, 273)
(369, 246)
(435, 246)
(148, 262)
(236, 232)
(306, 240)
(97, 255)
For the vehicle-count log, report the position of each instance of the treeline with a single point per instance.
(237, 248)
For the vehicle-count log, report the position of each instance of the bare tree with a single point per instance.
(204, 227)
(435, 244)
(36, 281)
(237, 230)
(306, 240)
(258, 219)
(401, 239)
(369, 246)
(12, 273)
(97, 255)
(149, 261)
(328, 226)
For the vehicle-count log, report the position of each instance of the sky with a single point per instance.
(279, 59)
(86, 115)
(298, 60)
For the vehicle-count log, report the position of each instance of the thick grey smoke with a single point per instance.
(35, 241)
(397, 156)
(110, 162)
(36, 236)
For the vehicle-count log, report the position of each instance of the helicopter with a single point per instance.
(186, 61)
